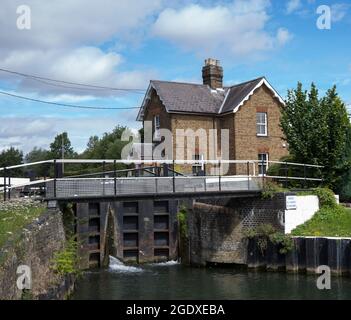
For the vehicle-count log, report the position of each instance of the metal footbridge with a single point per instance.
(154, 179)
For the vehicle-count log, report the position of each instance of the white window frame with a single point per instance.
(266, 165)
(198, 164)
(265, 124)
(157, 127)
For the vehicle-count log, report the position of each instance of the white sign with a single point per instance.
(291, 202)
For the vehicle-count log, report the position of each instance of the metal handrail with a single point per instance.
(112, 161)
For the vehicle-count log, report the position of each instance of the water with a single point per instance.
(173, 281)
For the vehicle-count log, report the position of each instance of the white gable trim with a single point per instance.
(225, 99)
(145, 100)
(265, 82)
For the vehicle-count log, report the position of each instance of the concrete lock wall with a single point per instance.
(306, 207)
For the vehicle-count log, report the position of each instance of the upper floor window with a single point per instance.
(157, 127)
(261, 123)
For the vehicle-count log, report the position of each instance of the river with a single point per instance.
(174, 281)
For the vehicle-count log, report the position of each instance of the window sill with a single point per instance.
(262, 135)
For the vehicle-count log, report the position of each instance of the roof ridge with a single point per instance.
(246, 82)
(179, 82)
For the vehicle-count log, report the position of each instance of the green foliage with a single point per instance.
(15, 215)
(327, 222)
(331, 219)
(285, 242)
(66, 261)
(11, 157)
(270, 188)
(265, 233)
(326, 197)
(36, 155)
(316, 130)
(108, 147)
(182, 222)
(61, 143)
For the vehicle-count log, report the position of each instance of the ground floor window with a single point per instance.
(262, 163)
(197, 167)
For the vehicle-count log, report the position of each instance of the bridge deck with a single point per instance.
(148, 186)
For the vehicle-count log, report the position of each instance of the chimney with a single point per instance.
(212, 73)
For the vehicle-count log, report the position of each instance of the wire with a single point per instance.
(141, 91)
(64, 104)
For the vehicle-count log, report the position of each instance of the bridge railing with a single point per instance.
(218, 175)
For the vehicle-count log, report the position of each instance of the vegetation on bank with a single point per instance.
(182, 222)
(332, 220)
(266, 233)
(15, 215)
(66, 261)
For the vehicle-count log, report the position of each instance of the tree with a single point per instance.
(61, 143)
(11, 157)
(36, 155)
(316, 130)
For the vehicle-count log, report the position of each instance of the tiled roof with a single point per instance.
(198, 98)
(188, 97)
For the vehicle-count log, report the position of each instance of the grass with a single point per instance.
(15, 215)
(327, 222)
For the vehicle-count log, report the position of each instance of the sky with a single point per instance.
(125, 44)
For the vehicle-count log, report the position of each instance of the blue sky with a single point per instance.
(124, 44)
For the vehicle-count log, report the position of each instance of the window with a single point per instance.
(197, 167)
(262, 163)
(261, 123)
(157, 127)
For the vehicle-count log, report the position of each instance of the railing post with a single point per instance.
(219, 177)
(115, 177)
(55, 178)
(304, 174)
(5, 170)
(9, 190)
(286, 174)
(248, 175)
(103, 177)
(263, 173)
(174, 189)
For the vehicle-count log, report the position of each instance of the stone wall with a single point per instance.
(35, 247)
(216, 228)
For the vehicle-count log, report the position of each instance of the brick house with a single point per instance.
(250, 111)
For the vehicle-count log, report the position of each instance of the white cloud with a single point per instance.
(293, 5)
(64, 42)
(239, 28)
(283, 36)
(339, 11)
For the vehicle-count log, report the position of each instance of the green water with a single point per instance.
(173, 281)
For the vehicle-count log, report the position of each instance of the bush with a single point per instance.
(270, 188)
(266, 232)
(326, 197)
